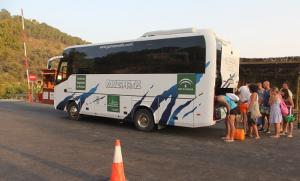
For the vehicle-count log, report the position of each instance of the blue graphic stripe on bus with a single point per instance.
(162, 97)
(62, 104)
(166, 114)
(199, 76)
(228, 81)
(138, 103)
(191, 111)
(171, 121)
(174, 94)
(97, 99)
(85, 95)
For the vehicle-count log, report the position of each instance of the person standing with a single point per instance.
(285, 85)
(287, 126)
(244, 95)
(39, 91)
(265, 108)
(260, 93)
(253, 111)
(231, 108)
(275, 111)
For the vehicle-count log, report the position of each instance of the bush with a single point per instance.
(13, 91)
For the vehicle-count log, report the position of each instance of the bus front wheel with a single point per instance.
(143, 120)
(73, 111)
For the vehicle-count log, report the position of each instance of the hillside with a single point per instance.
(43, 42)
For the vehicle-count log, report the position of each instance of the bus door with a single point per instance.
(61, 89)
(229, 67)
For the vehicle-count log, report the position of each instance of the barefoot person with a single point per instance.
(244, 95)
(253, 111)
(275, 111)
(287, 126)
(231, 108)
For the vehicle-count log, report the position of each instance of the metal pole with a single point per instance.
(25, 57)
(32, 91)
(297, 98)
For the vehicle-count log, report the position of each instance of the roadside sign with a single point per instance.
(32, 77)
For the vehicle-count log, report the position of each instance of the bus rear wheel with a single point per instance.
(73, 111)
(143, 120)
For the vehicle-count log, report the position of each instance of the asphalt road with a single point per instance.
(40, 143)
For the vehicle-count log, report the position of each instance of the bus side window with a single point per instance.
(62, 73)
(218, 61)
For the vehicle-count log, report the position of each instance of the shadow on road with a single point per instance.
(213, 132)
(47, 111)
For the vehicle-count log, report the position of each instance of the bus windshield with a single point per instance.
(62, 73)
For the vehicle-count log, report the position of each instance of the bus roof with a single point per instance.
(154, 35)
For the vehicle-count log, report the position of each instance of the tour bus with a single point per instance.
(161, 78)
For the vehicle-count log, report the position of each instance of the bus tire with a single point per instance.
(73, 111)
(143, 120)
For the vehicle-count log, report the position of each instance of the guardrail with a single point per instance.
(16, 97)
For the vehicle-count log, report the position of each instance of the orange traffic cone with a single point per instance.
(117, 173)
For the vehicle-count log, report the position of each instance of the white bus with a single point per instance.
(162, 78)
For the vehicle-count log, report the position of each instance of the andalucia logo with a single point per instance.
(186, 83)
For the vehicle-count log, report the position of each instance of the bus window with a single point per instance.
(62, 74)
(218, 71)
(161, 56)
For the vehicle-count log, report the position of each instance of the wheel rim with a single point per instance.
(73, 111)
(143, 121)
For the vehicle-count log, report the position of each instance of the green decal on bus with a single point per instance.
(80, 82)
(186, 84)
(113, 103)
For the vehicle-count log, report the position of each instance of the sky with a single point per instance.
(258, 28)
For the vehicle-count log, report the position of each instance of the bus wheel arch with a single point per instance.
(73, 110)
(143, 119)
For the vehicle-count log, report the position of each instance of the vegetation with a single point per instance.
(43, 42)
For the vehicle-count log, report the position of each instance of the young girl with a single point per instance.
(253, 111)
(290, 104)
(275, 111)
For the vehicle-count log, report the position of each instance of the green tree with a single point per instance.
(43, 42)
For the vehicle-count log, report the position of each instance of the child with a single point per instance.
(275, 111)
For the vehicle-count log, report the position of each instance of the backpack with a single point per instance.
(283, 108)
